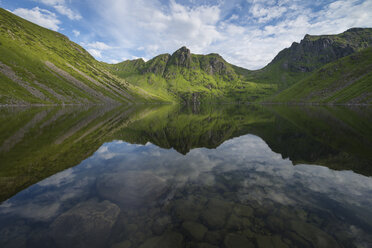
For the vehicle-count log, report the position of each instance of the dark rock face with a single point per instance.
(86, 225)
(314, 51)
(181, 57)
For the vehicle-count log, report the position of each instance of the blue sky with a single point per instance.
(247, 33)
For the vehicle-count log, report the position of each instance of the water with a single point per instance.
(170, 176)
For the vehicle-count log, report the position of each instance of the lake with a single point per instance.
(186, 176)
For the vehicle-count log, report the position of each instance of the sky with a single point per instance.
(247, 33)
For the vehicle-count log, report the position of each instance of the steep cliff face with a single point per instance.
(314, 51)
(300, 59)
(181, 58)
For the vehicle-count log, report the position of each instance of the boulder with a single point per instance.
(167, 240)
(194, 230)
(88, 224)
(233, 240)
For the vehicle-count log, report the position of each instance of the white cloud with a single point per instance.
(95, 53)
(76, 33)
(96, 48)
(98, 45)
(63, 10)
(60, 7)
(39, 16)
(250, 41)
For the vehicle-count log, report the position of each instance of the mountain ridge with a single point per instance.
(40, 66)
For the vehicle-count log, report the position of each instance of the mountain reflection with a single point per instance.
(169, 176)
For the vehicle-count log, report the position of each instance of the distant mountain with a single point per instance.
(192, 77)
(40, 66)
(301, 59)
(347, 80)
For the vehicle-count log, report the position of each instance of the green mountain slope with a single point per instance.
(188, 77)
(41, 66)
(347, 80)
(301, 59)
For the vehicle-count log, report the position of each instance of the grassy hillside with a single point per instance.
(314, 51)
(187, 77)
(40, 66)
(348, 80)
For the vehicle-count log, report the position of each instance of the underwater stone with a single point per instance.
(243, 210)
(237, 223)
(167, 240)
(124, 244)
(270, 241)
(233, 240)
(88, 224)
(194, 230)
(215, 215)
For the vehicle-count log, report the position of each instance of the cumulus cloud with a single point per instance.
(39, 16)
(247, 36)
(76, 33)
(61, 7)
(96, 48)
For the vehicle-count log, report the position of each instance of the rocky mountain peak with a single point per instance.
(181, 57)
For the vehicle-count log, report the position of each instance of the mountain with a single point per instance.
(345, 81)
(40, 66)
(301, 59)
(192, 78)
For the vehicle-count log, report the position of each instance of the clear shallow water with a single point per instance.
(166, 177)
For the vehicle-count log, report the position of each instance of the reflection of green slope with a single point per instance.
(184, 130)
(36, 143)
(335, 137)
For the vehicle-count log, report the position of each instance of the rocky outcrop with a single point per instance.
(181, 58)
(315, 51)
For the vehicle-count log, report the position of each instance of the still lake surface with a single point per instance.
(173, 176)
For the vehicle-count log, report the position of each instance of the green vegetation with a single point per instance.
(301, 59)
(38, 65)
(38, 142)
(347, 80)
(188, 78)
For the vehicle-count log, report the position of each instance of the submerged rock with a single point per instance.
(167, 240)
(194, 230)
(215, 215)
(206, 245)
(189, 209)
(313, 234)
(243, 210)
(235, 240)
(160, 224)
(124, 244)
(131, 189)
(88, 224)
(237, 223)
(270, 241)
